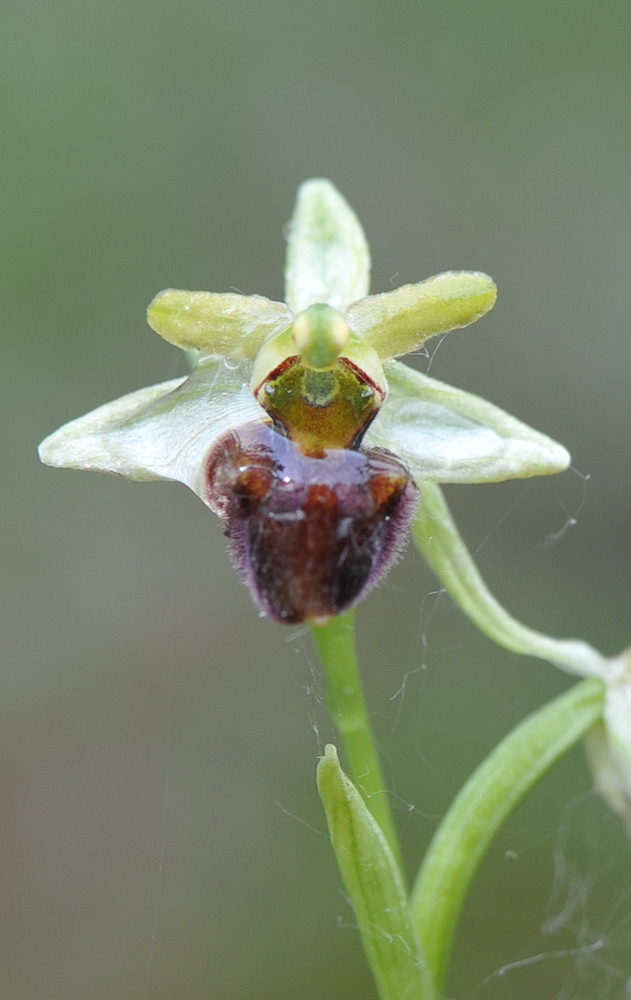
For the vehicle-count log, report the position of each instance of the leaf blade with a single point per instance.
(375, 887)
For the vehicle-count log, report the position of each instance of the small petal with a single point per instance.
(163, 432)
(327, 255)
(446, 435)
(228, 324)
(397, 323)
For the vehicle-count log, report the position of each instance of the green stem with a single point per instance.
(436, 535)
(480, 808)
(336, 647)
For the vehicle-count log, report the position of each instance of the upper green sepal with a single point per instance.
(327, 255)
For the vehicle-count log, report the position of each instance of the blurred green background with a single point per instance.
(160, 834)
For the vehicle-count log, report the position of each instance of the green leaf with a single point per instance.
(399, 322)
(327, 255)
(482, 806)
(228, 324)
(374, 885)
(162, 432)
(446, 435)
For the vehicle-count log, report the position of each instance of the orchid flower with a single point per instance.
(296, 425)
(609, 743)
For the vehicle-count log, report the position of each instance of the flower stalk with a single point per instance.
(437, 538)
(337, 650)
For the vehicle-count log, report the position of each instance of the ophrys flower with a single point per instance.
(298, 428)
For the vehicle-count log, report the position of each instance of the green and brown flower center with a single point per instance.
(320, 384)
(320, 409)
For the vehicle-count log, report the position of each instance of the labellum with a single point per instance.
(310, 535)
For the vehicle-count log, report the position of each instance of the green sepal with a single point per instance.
(399, 322)
(446, 435)
(165, 431)
(609, 745)
(327, 255)
(375, 887)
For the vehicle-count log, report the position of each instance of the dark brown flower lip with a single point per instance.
(309, 535)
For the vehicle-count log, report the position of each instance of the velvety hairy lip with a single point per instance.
(310, 535)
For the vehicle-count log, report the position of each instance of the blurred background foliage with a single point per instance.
(161, 837)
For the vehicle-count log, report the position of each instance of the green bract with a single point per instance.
(442, 433)
(374, 885)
